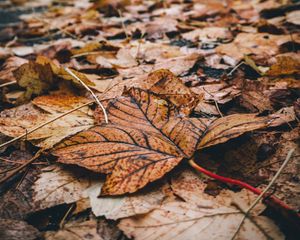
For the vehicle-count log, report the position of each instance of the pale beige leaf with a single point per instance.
(57, 185)
(180, 220)
(123, 206)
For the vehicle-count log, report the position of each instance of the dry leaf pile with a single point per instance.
(187, 86)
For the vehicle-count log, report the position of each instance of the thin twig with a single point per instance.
(8, 84)
(62, 222)
(43, 124)
(60, 29)
(286, 161)
(18, 169)
(216, 103)
(253, 221)
(123, 24)
(93, 94)
(10, 161)
(235, 68)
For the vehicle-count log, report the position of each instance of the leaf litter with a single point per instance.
(216, 88)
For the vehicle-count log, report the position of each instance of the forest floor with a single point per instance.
(148, 120)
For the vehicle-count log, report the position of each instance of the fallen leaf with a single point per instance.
(285, 65)
(165, 83)
(22, 50)
(17, 203)
(162, 82)
(62, 73)
(14, 230)
(57, 185)
(208, 34)
(60, 102)
(11, 64)
(36, 78)
(190, 187)
(89, 47)
(293, 17)
(124, 59)
(255, 100)
(123, 206)
(17, 121)
(261, 44)
(217, 92)
(145, 139)
(183, 220)
(223, 129)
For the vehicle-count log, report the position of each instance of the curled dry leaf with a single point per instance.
(181, 220)
(145, 139)
(11, 64)
(35, 77)
(223, 129)
(14, 230)
(165, 83)
(62, 73)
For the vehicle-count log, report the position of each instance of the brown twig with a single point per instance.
(20, 168)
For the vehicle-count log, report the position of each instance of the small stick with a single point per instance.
(251, 218)
(235, 68)
(62, 222)
(123, 25)
(43, 124)
(10, 161)
(286, 161)
(216, 103)
(16, 170)
(93, 94)
(8, 84)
